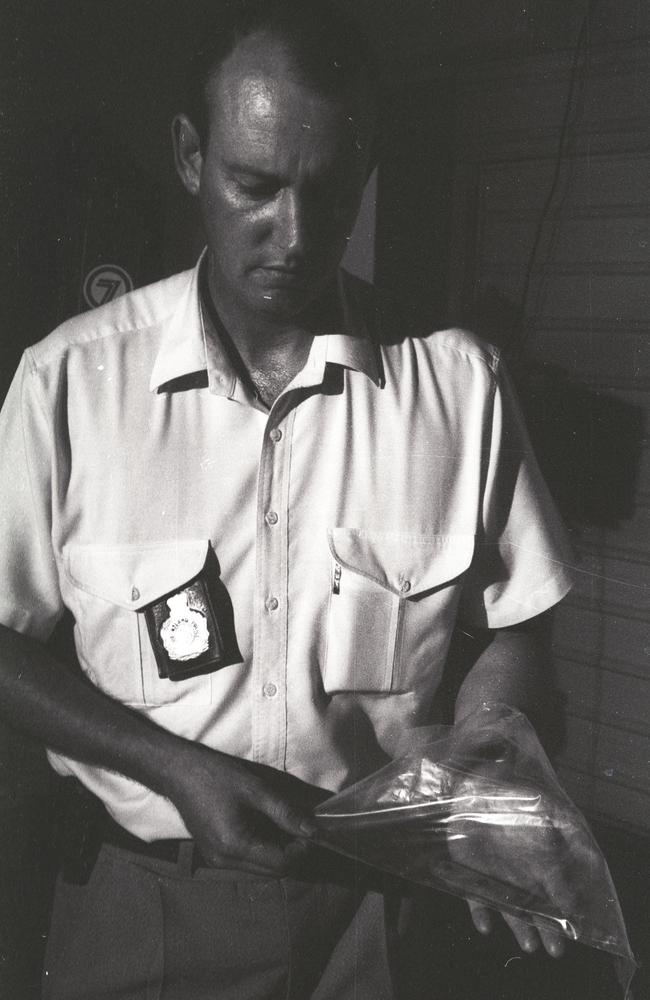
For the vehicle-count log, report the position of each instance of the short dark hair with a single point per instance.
(328, 48)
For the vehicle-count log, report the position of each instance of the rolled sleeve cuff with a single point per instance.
(534, 584)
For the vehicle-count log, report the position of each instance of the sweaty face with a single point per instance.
(282, 176)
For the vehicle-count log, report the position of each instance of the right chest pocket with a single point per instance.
(392, 607)
(112, 586)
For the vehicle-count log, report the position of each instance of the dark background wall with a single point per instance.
(512, 194)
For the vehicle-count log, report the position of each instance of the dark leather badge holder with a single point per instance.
(192, 629)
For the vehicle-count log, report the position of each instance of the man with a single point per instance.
(267, 514)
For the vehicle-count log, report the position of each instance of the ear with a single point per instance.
(187, 153)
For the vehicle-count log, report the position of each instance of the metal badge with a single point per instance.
(192, 629)
(185, 633)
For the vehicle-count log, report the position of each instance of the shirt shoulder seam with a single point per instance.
(80, 330)
(488, 354)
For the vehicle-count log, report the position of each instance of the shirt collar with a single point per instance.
(353, 347)
(185, 351)
(182, 347)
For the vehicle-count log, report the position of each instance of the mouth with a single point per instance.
(282, 276)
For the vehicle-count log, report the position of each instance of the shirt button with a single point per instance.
(405, 586)
(135, 594)
(272, 604)
(271, 517)
(276, 435)
(270, 690)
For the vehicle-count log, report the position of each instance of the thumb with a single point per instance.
(287, 817)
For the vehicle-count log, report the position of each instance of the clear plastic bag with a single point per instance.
(476, 810)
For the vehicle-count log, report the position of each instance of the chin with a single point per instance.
(284, 304)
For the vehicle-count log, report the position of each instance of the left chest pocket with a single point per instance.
(392, 607)
(124, 611)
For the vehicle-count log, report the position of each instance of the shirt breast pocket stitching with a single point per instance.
(425, 576)
(95, 587)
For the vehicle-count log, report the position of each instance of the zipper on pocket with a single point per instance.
(336, 584)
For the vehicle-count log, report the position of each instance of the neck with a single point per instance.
(267, 352)
(259, 338)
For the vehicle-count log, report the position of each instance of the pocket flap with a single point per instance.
(133, 576)
(407, 564)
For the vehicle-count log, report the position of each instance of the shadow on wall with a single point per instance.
(588, 442)
(84, 202)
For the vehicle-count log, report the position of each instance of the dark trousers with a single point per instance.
(147, 929)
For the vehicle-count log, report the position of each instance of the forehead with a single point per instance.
(257, 94)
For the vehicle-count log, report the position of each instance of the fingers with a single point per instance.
(272, 857)
(243, 816)
(286, 817)
(525, 935)
(259, 857)
(554, 942)
(528, 937)
(481, 917)
(262, 835)
(275, 812)
(264, 857)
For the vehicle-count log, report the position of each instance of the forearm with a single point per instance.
(512, 670)
(45, 699)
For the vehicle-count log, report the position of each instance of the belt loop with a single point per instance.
(186, 851)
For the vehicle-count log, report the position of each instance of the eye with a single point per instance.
(259, 190)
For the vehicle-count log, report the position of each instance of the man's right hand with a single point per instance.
(242, 815)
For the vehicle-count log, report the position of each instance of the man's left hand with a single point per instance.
(515, 838)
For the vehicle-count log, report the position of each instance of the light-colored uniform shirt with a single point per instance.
(389, 492)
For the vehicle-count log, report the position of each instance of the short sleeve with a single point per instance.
(30, 599)
(522, 561)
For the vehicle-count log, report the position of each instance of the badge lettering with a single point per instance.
(185, 633)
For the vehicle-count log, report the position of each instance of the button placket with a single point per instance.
(269, 666)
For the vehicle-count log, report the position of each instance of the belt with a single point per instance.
(83, 826)
(171, 850)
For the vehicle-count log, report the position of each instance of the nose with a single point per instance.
(293, 225)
